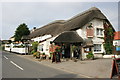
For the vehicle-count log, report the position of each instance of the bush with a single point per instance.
(21, 46)
(51, 55)
(58, 49)
(90, 55)
(36, 54)
(43, 53)
(34, 46)
(32, 52)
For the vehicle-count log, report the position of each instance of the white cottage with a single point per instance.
(89, 25)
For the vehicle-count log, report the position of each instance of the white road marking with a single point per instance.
(17, 65)
(5, 57)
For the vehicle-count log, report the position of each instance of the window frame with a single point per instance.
(99, 32)
(98, 48)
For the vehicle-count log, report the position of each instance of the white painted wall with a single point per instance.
(20, 50)
(116, 42)
(41, 38)
(82, 32)
(7, 49)
(17, 50)
(96, 23)
(111, 56)
(46, 45)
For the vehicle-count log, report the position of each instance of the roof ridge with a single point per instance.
(74, 17)
(84, 12)
(56, 21)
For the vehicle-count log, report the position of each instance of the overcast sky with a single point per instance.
(37, 14)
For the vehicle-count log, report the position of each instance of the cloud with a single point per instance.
(36, 14)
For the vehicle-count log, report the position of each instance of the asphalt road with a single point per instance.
(17, 67)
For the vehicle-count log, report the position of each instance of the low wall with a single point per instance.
(18, 50)
(7, 49)
(111, 56)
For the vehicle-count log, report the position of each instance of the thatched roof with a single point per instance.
(74, 23)
(25, 38)
(88, 43)
(68, 37)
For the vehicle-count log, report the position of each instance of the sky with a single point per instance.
(37, 14)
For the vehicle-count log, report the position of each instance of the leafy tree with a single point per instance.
(22, 30)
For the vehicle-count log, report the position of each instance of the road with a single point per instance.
(14, 66)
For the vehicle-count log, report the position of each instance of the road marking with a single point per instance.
(17, 65)
(5, 57)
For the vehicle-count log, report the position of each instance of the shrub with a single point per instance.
(58, 49)
(34, 46)
(43, 53)
(90, 55)
(37, 54)
(51, 55)
(32, 52)
(21, 46)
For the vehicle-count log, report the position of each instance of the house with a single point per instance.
(12, 38)
(88, 26)
(116, 42)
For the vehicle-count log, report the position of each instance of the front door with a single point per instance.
(67, 51)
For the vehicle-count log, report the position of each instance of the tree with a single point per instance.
(22, 30)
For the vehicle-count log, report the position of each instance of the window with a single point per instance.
(97, 47)
(41, 47)
(87, 49)
(99, 32)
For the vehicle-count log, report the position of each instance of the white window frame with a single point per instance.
(99, 32)
(41, 47)
(98, 46)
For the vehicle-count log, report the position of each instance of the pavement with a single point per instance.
(99, 68)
